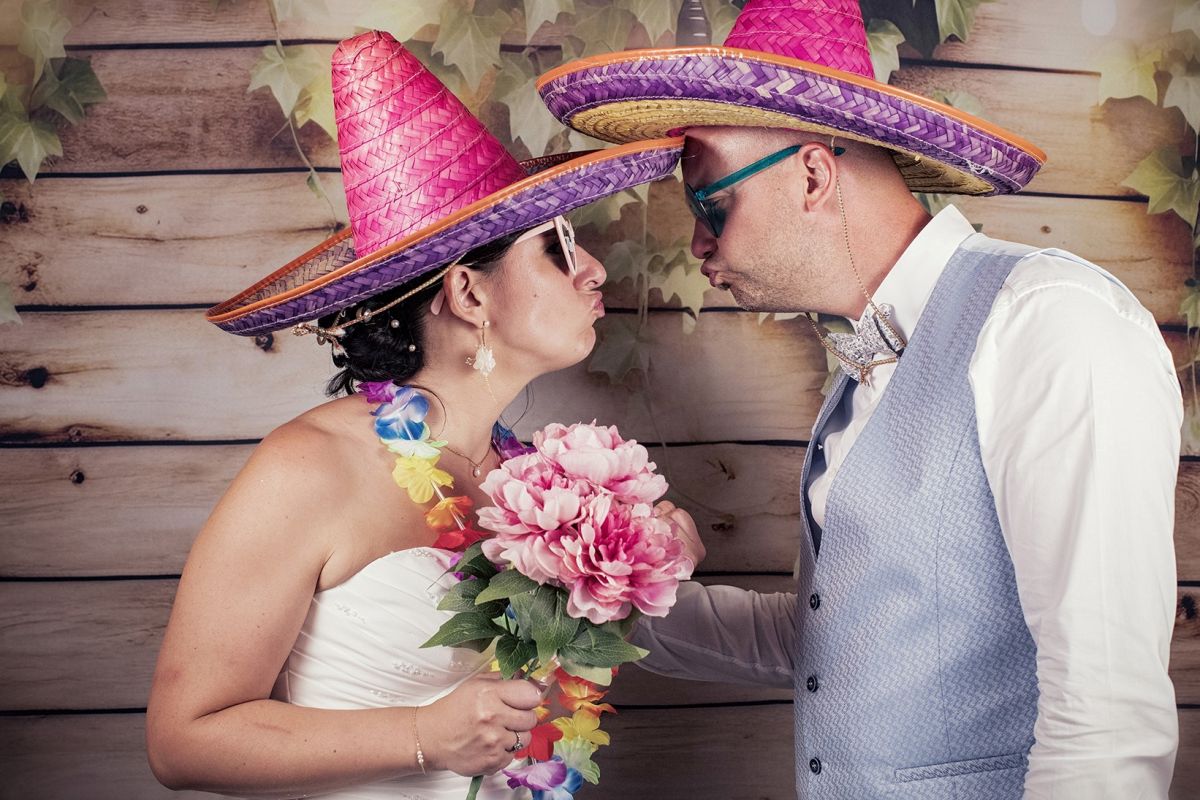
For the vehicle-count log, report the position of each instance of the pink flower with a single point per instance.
(598, 454)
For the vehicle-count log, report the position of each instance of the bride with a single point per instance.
(292, 663)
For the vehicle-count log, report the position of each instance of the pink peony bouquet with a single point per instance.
(577, 554)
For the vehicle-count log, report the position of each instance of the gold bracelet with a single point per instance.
(417, 739)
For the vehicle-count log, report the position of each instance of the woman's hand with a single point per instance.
(684, 526)
(470, 730)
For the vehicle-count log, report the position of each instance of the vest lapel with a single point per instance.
(812, 534)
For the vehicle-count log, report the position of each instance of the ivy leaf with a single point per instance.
(883, 37)
(471, 43)
(27, 141)
(67, 87)
(1186, 18)
(603, 213)
(316, 105)
(528, 118)
(513, 654)
(286, 71)
(538, 12)
(1127, 72)
(934, 203)
(44, 29)
(1184, 92)
(955, 17)
(300, 9)
(964, 101)
(602, 29)
(916, 19)
(623, 348)
(467, 629)
(505, 585)
(1189, 308)
(1160, 177)
(777, 316)
(401, 19)
(684, 281)
(595, 647)
(656, 16)
(722, 14)
(8, 309)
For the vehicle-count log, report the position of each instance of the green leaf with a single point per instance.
(721, 16)
(602, 28)
(622, 627)
(1184, 91)
(1186, 18)
(300, 9)
(538, 12)
(471, 43)
(595, 647)
(466, 629)
(463, 596)
(513, 654)
(1160, 177)
(623, 347)
(528, 118)
(917, 20)
(44, 29)
(27, 141)
(883, 38)
(68, 87)
(656, 16)
(505, 585)
(964, 101)
(955, 17)
(934, 203)
(1190, 307)
(554, 632)
(683, 281)
(603, 213)
(8, 309)
(1126, 71)
(316, 105)
(286, 71)
(601, 676)
(477, 565)
(404, 19)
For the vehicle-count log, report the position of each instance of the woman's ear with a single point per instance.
(466, 294)
(818, 181)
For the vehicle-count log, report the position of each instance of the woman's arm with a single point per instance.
(242, 599)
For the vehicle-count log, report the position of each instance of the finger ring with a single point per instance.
(517, 745)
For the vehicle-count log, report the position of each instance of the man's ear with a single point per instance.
(466, 294)
(818, 178)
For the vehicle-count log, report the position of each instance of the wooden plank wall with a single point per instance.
(124, 415)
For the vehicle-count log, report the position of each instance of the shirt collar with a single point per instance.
(907, 286)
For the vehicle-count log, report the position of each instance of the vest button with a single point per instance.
(811, 683)
(815, 766)
(814, 602)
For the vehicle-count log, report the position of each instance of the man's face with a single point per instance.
(770, 254)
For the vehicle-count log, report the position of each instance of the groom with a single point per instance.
(986, 576)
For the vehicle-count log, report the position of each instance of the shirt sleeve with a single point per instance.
(722, 633)
(1079, 414)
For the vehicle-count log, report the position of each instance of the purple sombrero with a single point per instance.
(801, 64)
(425, 184)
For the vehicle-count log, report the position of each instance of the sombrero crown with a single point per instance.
(801, 64)
(425, 183)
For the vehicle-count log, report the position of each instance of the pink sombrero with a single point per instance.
(800, 64)
(425, 184)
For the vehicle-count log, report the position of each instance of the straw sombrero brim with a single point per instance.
(331, 277)
(644, 94)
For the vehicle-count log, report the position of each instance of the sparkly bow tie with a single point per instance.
(875, 343)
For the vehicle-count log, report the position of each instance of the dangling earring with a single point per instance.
(484, 360)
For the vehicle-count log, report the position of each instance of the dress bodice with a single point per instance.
(360, 647)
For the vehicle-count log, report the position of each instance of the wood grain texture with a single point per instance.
(147, 124)
(94, 511)
(197, 239)
(92, 644)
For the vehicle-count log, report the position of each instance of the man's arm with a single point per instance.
(1079, 413)
(722, 633)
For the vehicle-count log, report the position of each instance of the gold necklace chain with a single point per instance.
(476, 466)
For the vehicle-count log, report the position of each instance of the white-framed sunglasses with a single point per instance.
(566, 239)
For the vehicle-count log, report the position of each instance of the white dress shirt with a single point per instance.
(1079, 415)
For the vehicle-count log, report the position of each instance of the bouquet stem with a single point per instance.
(476, 782)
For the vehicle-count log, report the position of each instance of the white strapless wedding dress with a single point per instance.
(360, 647)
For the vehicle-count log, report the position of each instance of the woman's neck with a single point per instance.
(463, 406)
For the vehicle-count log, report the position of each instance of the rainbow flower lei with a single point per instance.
(498, 603)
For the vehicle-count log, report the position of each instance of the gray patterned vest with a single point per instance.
(915, 671)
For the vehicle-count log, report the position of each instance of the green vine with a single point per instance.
(1165, 70)
(45, 92)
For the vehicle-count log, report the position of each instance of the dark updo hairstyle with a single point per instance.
(374, 350)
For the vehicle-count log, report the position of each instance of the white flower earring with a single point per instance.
(484, 360)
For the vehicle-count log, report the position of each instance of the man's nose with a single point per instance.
(704, 244)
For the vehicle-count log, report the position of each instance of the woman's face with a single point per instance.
(542, 316)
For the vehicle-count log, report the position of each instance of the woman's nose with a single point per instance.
(591, 274)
